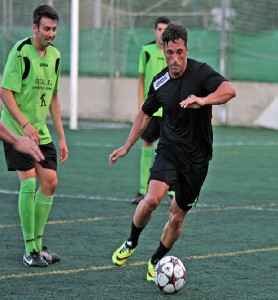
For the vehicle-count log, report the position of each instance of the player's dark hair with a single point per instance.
(163, 20)
(44, 11)
(173, 32)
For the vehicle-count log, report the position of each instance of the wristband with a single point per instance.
(25, 125)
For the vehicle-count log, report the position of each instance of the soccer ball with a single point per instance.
(170, 274)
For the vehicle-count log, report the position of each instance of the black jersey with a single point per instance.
(186, 133)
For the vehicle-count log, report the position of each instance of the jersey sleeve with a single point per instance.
(151, 105)
(58, 72)
(211, 79)
(12, 76)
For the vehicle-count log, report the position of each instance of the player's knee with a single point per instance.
(152, 202)
(176, 221)
(50, 185)
(54, 184)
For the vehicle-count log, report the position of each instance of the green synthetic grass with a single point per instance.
(229, 245)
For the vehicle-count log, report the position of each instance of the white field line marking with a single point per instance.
(99, 125)
(101, 198)
(266, 206)
(216, 144)
(244, 143)
(86, 144)
(108, 267)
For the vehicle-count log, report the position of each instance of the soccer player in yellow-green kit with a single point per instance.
(151, 62)
(29, 92)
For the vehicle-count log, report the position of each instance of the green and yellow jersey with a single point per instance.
(33, 80)
(151, 62)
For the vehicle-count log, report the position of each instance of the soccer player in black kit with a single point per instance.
(186, 90)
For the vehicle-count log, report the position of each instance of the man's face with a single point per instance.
(176, 57)
(158, 32)
(45, 32)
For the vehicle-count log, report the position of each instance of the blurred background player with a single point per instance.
(29, 92)
(151, 62)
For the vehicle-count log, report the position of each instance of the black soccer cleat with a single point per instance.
(34, 260)
(49, 256)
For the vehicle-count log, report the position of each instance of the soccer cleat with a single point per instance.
(151, 270)
(170, 199)
(34, 260)
(49, 256)
(121, 255)
(138, 198)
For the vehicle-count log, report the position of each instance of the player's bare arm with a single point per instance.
(8, 99)
(141, 90)
(55, 112)
(140, 123)
(224, 93)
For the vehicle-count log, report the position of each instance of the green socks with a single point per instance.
(43, 206)
(145, 165)
(171, 193)
(26, 212)
(33, 214)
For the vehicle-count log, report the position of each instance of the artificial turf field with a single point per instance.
(229, 245)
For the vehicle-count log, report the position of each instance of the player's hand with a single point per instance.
(26, 145)
(192, 102)
(113, 157)
(32, 133)
(63, 151)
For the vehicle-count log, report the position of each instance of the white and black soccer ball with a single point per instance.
(170, 274)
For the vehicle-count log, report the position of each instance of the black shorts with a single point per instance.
(186, 183)
(152, 131)
(17, 161)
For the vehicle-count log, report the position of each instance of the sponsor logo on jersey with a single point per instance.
(160, 81)
(43, 65)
